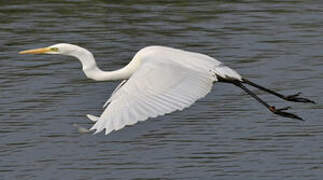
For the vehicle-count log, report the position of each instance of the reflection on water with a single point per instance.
(226, 135)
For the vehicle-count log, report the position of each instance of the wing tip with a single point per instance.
(98, 130)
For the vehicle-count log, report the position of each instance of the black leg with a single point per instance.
(280, 111)
(293, 97)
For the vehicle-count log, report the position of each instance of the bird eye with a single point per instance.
(54, 49)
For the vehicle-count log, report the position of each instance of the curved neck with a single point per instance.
(92, 71)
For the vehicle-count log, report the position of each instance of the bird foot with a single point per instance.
(295, 98)
(281, 112)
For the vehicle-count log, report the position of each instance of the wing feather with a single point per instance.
(114, 91)
(156, 88)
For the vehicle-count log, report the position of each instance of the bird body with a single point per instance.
(158, 80)
(161, 80)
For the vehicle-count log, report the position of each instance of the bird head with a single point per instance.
(61, 48)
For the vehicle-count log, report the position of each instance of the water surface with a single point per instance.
(226, 135)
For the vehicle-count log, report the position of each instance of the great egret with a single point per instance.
(158, 80)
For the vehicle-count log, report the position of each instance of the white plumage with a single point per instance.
(166, 80)
(158, 80)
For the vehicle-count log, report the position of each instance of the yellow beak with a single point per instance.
(35, 51)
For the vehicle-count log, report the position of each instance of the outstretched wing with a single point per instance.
(156, 88)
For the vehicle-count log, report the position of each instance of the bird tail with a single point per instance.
(227, 73)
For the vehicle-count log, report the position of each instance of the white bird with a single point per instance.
(158, 80)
